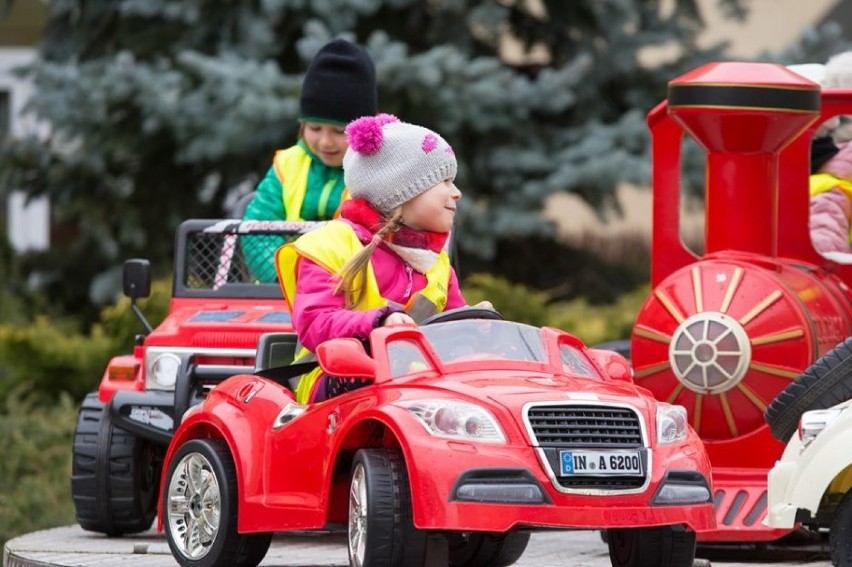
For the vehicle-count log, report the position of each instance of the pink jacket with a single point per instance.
(319, 314)
(831, 211)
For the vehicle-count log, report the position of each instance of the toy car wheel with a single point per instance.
(659, 546)
(200, 509)
(480, 549)
(840, 535)
(115, 476)
(380, 528)
(825, 383)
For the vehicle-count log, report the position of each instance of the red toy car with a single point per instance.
(470, 434)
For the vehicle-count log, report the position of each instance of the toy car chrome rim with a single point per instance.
(358, 516)
(194, 506)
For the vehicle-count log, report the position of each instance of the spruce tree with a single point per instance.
(155, 109)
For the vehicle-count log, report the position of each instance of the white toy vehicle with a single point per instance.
(812, 483)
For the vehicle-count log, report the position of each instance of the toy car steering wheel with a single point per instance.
(462, 313)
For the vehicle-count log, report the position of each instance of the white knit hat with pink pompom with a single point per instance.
(390, 162)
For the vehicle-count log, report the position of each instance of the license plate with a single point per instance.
(601, 463)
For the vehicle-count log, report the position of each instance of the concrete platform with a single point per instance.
(70, 546)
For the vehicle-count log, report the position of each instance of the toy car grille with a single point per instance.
(584, 426)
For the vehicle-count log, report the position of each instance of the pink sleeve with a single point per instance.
(319, 314)
(454, 295)
(829, 221)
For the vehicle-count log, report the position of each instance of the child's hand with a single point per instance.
(398, 319)
(484, 305)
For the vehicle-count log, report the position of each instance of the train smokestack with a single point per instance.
(743, 115)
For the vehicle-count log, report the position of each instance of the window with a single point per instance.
(406, 358)
(575, 362)
(5, 114)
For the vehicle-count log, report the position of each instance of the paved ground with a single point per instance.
(72, 547)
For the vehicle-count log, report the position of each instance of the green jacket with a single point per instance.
(323, 192)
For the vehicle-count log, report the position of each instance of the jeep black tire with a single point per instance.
(825, 383)
(115, 476)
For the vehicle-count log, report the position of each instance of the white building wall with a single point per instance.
(28, 223)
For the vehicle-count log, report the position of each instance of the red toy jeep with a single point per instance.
(469, 434)
(217, 314)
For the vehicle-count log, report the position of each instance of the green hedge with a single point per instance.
(48, 357)
(589, 322)
(35, 471)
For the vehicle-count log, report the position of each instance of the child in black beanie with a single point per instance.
(305, 181)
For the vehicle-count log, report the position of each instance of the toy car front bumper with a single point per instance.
(458, 486)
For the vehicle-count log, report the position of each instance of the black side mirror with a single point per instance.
(136, 278)
(136, 281)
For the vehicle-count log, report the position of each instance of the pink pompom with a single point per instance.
(385, 118)
(365, 133)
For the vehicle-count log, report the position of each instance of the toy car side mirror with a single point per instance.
(136, 278)
(613, 364)
(346, 357)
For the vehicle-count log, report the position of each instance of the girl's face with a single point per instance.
(434, 209)
(327, 141)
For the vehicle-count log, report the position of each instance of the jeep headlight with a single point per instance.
(164, 370)
(671, 423)
(456, 420)
(814, 422)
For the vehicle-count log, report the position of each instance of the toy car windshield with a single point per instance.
(460, 341)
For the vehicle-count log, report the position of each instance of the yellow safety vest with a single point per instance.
(292, 166)
(823, 182)
(331, 246)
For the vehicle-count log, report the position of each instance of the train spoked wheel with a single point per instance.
(721, 338)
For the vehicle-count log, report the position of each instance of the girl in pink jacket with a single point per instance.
(382, 263)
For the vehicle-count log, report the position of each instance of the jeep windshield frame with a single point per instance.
(210, 261)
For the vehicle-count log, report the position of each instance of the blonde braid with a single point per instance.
(356, 267)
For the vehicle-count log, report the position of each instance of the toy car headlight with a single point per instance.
(671, 423)
(456, 420)
(164, 370)
(814, 422)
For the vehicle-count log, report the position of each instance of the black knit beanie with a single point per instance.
(340, 85)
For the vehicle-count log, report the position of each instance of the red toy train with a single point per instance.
(723, 333)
